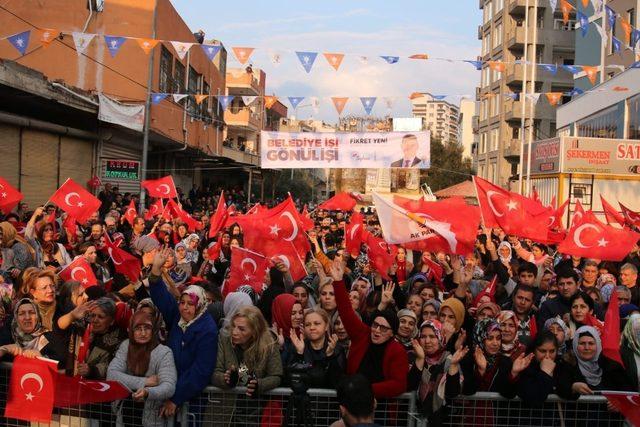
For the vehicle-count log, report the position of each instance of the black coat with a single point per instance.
(614, 377)
(497, 380)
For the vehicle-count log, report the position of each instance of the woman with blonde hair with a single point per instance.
(23, 254)
(40, 286)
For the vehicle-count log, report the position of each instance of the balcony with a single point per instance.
(517, 7)
(480, 32)
(511, 149)
(516, 36)
(241, 156)
(244, 118)
(239, 82)
(514, 74)
(542, 110)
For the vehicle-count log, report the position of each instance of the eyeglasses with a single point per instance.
(381, 328)
(142, 328)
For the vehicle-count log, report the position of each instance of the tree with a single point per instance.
(448, 166)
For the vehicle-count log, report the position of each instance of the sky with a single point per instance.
(444, 29)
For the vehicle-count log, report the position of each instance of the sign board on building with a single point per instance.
(121, 170)
(545, 157)
(285, 150)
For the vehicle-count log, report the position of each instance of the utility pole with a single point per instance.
(522, 94)
(533, 90)
(603, 45)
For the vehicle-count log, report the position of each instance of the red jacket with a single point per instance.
(395, 364)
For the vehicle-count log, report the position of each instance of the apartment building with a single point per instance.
(440, 117)
(467, 134)
(504, 33)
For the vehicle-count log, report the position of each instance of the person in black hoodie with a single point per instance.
(567, 280)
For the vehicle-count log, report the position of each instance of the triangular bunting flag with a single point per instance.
(635, 38)
(269, 101)
(157, 97)
(584, 23)
(592, 73)
(114, 43)
(368, 102)
(626, 27)
(553, 69)
(181, 48)
(224, 101)
(388, 102)
(553, 4)
(554, 97)
(611, 17)
(512, 95)
(276, 58)
(177, 97)
(20, 41)
(476, 64)
(242, 54)
(211, 50)
(307, 59)
(573, 69)
(497, 66)
(339, 103)
(334, 59)
(635, 65)
(419, 56)
(585, 3)
(438, 97)
(566, 10)
(248, 100)
(533, 97)
(617, 44)
(147, 45)
(199, 98)
(576, 91)
(82, 40)
(391, 59)
(315, 104)
(47, 35)
(295, 101)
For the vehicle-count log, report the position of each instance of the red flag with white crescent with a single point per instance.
(9, 196)
(611, 214)
(123, 261)
(381, 254)
(76, 201)
(156, 208)
(75, 391)
(216, 223)
(131, 213)
(80, 271)
(628, 403)
(247, 268)
(31, 389)
(162, 188)
(632, 218)
(353, 234)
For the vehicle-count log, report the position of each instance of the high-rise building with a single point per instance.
(508, 29)
(467, 137)
(440, 117)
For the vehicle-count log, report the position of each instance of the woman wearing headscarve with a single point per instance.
(145, 367)
(233, 302)
(589, 370)
(451, 316)
(104, 338)
(29, 337)
(193, 337)
(430, 310)
(23, 253)
(511, 345)
(559, 329)
(181, 271)
(436, 373)
(487, 310)
(630, 350)
(160, 328)
(41, 237)
(191, 243)
(287, 314)
(486, 369)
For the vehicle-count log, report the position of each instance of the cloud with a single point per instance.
(254, 25)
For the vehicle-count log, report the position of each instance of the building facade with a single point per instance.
(504, 33)
(467, 134)
(440, 117)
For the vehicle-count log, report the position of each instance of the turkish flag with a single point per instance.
(489, 291)
(435, 271)
(611, 214)
(305, 219)
(80, 271)
(216, 223)
(70, 225)
(9, 196)
(578, 214)
(258, 208)
(611, 333)
(627, 403)
(31, 389)
(131, 213)
(632, 218)
(288, 254)
(123, 261)
(340, 202)
(556, 218)
(247, 268)
(381, 254)
(353, 234)
(514, 213)
(590, 238)
(156, 208)
(534, 194)
(75, 391)
(214, 250)
(75, 200)
(162, 188)
(176, 211)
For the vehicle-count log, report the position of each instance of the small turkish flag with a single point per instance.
(611, 333)
(611, 214)
(131, 213)
(353, 234)
(123, 261)
(381, 254)
(176, 211)
(75, 391)
(163, 188)
(94, 182)
(590, 238)
(219, 217)
(340, 202)
(75, 200)
(9, 196)
(578, 214)
(632, 218)
(305, 219)
(247, 268)
(31, 389)
(627, 403)
(287, 253)
(80, 271)
(214, 250)
(155, 209)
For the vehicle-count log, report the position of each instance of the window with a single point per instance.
(497, 36)
(492, 172)
(487, 12)
(499, 4)
(483, 143)
(178, 78)
(486, 40)
(601, 125)
(633, 131)
(166, 71)
(194, 79)
(558, 24)
(631, 17)
(495, 106)
(204, 106)
(495, 134)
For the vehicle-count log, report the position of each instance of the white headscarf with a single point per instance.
(590, 368)
(505, 260)
(232, 303)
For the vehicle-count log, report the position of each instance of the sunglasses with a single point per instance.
(381, 328)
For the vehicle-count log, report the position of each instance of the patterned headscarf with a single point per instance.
(437, 329)
(631, 334)
(481, 332)
(199, 299)
(589, 368)
(32, 340)
(507, 348)
(158, 320)
(562, 346)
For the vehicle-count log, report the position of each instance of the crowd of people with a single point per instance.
(513, 317)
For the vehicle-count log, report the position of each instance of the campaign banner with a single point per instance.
(301, 150)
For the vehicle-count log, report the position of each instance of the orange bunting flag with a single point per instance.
(242, 54)
(339, 103)
(585, 3)
(497, 66)
(554, 97)
(566, 7)
(620, 89)
(592, 72)
(47, 36)
(419, 56)
(147, 44)
(415, 95)
(269, 101)
(334, 59)
(626, 27)
(200, 98)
